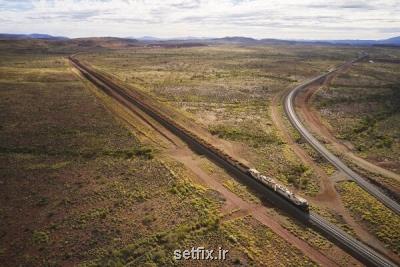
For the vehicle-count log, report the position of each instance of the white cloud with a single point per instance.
(313, 19)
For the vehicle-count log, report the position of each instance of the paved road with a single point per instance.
(354, 247)
(294, 119)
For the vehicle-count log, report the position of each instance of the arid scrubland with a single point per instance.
(363, 104)
(97, 194)
(228, 90)
(78, 188)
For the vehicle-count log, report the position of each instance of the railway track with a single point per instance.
(236, 168)
(320, 148)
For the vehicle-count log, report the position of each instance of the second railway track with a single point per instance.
(290, 111)
(236, 168)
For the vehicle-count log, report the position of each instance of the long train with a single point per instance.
(190, 137)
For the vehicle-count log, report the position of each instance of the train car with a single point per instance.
(296, 200)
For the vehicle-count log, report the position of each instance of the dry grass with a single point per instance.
(227, 90)
(78, 188)
(363, 106)
(380, 221)
(75, 183)
(262, 246)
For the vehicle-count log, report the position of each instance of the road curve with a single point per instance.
(295, 121)
(360, 251)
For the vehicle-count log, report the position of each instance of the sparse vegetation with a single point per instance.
(40, 238)
(260, 244)
(308, 235)
(76, 181)
(252, 136)
(98, 195)
(362, 105)
(227, 90)
(381, 221)
(91, 193)
(240, 190)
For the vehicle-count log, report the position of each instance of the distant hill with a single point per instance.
(393, 41)
(114, 42)
(147, 38)
(155, 39)
(108, 42)
(46, 36)
(8, 36)
(235, 40)
(276, 41)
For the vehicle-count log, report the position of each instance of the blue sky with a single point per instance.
(302, 19)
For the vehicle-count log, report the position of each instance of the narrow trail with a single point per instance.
(328, 192)
(315, 123)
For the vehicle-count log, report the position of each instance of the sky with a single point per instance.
(283, 19)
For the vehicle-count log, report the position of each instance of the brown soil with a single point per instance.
(234, 206)
(328, 197)
(233, 149)
(316, 124)
(328, 193)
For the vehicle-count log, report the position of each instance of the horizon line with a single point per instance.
(197, 37)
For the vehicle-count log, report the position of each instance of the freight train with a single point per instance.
(280, 189)
(216, 153)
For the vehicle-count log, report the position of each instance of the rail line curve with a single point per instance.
(359, 250)
(290, 111)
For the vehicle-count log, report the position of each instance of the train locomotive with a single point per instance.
(296, 200)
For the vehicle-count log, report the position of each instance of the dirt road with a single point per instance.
(315, 123)
(234, 205)
(327, 196)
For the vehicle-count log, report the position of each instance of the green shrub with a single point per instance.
(253, 137)
(39, 237)
(141, 152)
